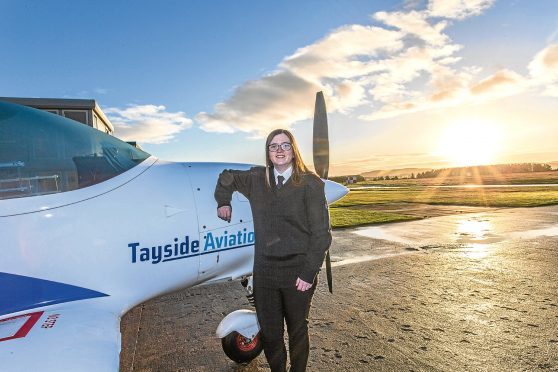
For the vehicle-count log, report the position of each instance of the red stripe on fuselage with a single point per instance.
(25, 328)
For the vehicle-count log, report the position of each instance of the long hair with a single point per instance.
(299, 168)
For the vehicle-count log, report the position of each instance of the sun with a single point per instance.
(470, 142)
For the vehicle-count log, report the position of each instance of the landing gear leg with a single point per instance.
(239, 331)
(248, 284)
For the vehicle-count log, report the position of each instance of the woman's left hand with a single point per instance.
(301, 285)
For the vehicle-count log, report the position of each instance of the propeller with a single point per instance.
(321, 158)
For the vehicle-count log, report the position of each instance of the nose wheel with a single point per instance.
(241, 349)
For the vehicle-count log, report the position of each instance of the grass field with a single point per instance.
(494, 179)
(480, 197)
(347, 217)
(344, 213)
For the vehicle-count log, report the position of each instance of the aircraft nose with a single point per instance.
(334, 191)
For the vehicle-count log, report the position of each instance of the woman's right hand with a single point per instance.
(225, 213)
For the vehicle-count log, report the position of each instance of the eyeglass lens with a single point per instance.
(285, 146)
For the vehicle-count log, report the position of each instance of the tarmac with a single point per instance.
(473, 290)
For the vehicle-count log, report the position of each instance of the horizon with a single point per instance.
(408, 84)
(552, 164)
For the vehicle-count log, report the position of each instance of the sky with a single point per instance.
(421, 84)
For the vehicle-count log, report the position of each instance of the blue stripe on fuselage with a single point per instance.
(18, 292)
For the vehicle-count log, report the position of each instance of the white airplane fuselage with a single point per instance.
(148, 231)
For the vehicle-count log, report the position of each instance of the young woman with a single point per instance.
(291, 224)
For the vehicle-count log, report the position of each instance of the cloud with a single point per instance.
(404, 63)
(543, 69)
(333, 64)
(392, 85)
(147, 123)
(451, 88)
(502, 83)
(458, 9)
(260, 106)
(415, 23)
(449, 85)
(347, 52)
(411, 4)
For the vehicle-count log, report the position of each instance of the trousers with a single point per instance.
(274, 307)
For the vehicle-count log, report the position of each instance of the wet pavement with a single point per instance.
(462, 292)
(473, 228)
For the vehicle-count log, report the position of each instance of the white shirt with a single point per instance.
(286, 174)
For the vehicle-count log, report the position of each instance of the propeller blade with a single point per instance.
(328, 272)
(321, 159)
(321, 138)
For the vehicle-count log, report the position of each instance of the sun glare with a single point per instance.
(470, 142)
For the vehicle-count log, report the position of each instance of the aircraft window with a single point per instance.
(42, 153)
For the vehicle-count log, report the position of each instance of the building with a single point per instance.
(85, 111)
(351, 180)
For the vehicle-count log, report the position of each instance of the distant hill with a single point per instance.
(401, 173)
(406, 172)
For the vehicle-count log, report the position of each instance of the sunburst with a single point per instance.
(470, 142)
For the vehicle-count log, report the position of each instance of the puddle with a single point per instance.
(359, 259)
(475, 232)
(381, 232)
(530, 234)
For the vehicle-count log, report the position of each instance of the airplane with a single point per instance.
(91, 227)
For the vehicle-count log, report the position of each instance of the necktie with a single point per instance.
(280, 180)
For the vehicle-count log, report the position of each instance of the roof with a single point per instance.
(61, 103)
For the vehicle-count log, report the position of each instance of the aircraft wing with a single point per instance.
(67, 337)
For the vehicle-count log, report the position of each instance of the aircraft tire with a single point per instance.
(241, 349)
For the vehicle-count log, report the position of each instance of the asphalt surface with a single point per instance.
(456, 292)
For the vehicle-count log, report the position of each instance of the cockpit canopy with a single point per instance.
(43, 153)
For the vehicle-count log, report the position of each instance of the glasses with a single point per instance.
(285, 146)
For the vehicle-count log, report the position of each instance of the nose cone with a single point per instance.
(334, 191)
